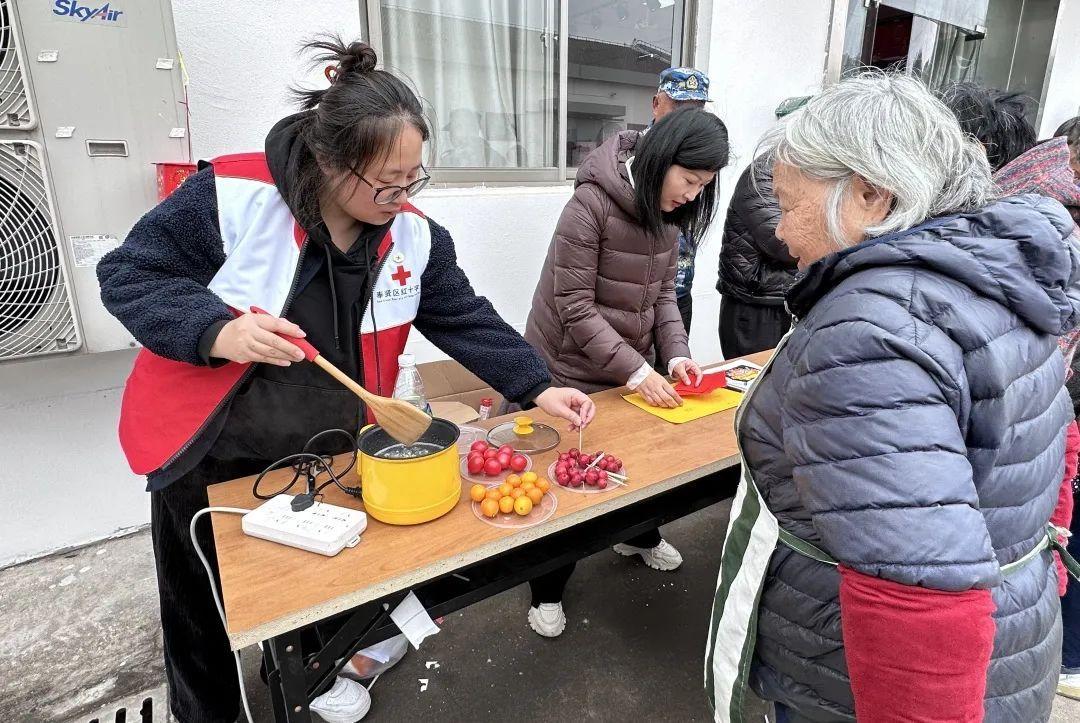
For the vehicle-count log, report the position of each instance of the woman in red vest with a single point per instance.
(318, 230)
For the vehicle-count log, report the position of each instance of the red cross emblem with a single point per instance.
(401, 275)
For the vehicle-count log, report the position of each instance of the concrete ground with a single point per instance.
(79, 640)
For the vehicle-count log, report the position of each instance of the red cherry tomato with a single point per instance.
(504, 460)
(491, 453)
(492, 468)
(506, 449)
(479, 446)
(476, 464)
(519, 462)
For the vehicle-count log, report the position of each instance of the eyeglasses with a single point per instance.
(385, 195)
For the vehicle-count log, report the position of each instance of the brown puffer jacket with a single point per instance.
(607, 289)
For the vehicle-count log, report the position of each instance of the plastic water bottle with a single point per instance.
(409, 386)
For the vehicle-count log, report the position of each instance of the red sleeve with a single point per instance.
(915, 654)
(1063, 513)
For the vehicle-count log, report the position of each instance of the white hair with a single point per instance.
(889, 130)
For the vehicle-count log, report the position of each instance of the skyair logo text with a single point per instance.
(71, 9)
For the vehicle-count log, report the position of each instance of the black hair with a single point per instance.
(1070, 129)
(997, 118)
(350, 125)
(689, 137)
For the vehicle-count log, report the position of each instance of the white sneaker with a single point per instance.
(662, 557)
(548, 620)
(1069, 685)
(346, 702)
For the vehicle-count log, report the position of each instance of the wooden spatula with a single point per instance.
(401, 420)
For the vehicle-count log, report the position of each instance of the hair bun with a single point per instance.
(359, 57)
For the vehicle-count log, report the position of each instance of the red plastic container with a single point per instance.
(171, 175)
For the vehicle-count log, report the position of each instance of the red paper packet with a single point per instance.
(709, 383)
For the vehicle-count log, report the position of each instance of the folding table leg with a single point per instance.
(288, 690)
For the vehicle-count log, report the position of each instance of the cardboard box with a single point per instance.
(448, 381)
(455, 412)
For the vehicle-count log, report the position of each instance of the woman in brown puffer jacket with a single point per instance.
(606, 295)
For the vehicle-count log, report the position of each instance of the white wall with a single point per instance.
(502, 236)
(242, 56)
(58, 417)
(760, 53)
(1062, 99)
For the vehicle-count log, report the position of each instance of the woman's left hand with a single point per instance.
(684, 369)
(569, 404)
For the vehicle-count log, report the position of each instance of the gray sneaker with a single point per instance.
(346, 702)
(548, 619)
(662, 557)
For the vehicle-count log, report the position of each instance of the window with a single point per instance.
(998, 43)
(617, 51)
(507, 100)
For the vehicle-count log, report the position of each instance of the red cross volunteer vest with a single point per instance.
(167, 403)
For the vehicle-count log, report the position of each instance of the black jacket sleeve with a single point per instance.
(761, 213)
(155, 283)
(467, 328)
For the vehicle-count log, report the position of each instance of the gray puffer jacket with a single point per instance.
(913, 427)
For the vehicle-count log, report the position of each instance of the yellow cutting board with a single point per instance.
(694, 407)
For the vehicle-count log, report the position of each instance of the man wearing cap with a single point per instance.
(682, 88)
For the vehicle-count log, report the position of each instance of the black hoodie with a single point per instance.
(278, 409)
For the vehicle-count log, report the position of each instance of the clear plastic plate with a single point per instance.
(468, 435)
(540, 513)
(586, 489)
(489, 481)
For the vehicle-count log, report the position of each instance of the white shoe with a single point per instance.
(1069, 685)
(662, 557)
(548, 620)
(346, 702)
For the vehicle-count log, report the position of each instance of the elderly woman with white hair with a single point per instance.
(888, 551)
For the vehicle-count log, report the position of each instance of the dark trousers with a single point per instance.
(1070, 609)
(686, 309)
(549, 588)
(199, 665)
(748, 328)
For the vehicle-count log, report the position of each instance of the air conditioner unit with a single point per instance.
(90, 98)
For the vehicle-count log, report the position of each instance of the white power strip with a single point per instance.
(322, 528)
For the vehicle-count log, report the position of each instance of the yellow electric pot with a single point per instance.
(410, 491)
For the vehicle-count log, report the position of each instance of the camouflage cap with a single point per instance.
(685, 84)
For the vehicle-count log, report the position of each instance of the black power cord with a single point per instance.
(309, 465)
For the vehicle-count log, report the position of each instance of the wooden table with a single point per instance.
(272, 591)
